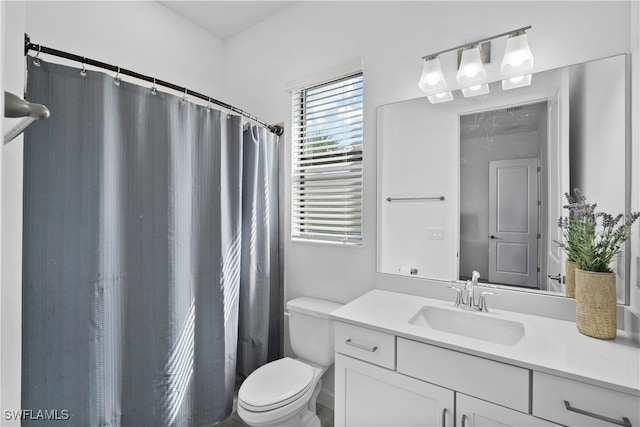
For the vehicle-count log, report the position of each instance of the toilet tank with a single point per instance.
(311, 329)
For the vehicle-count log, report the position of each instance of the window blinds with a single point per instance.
(327, 161)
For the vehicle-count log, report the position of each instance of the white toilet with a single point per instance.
(284, 392)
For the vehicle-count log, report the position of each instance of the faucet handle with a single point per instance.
(459, 298)
(482, 303)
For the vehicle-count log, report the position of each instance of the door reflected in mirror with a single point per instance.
(478, 183)
(502, 155)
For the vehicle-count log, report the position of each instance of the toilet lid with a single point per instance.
(275, 384)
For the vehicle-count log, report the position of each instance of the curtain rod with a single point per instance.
(278, 130)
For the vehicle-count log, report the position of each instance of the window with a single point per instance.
(326, 187)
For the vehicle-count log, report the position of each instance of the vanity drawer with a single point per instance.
(366, 344)
(604, 406)
(496, 382)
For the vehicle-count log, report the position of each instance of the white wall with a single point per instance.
(142, 36)
(593, 145)
(418, 159)
(11, 281)
(391, 38)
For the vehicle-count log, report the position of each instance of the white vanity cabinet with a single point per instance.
(472, 412)
(369, 392)
(383, 380)
(369, 395)
(572, 402)
(390, 371)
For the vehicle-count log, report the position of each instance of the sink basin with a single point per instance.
(469, 324)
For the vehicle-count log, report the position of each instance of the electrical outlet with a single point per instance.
(435, 233)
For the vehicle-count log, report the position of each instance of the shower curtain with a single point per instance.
(133, 242)
(260, 312)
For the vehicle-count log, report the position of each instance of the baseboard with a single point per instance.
(326, 398)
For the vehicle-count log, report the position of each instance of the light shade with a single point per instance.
(475, 90)
(471, 69)
(518, 81)
(432, 80)
(518, 58)
(440, 97)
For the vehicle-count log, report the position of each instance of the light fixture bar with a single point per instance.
(433, 55)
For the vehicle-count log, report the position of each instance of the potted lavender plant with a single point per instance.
(597, 239)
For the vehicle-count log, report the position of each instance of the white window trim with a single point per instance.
(333, 74)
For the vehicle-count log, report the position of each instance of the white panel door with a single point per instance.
(472, 412)
(368, 395)
(513, 222)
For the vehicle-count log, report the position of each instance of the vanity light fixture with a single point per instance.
(432, 80)
(440, 97)
(516, 67)
(471, 69)
(514, 82)
(518, 59)
(475, 90)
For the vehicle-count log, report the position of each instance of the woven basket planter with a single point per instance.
(570, 285)
(596, 304)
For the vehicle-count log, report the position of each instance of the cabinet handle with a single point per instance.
(625, 421)
(444, 417)
(464, 419)
(360, 346)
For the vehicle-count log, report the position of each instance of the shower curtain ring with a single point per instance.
(154, 90)
(36, 60)
(209, 105)
(83, 72)
(117, 80)
(184, 98)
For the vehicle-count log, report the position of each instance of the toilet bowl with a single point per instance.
(284, 392)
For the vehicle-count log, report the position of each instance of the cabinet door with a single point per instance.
(368, 395)
(472, 412)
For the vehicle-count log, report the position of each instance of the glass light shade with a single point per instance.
(440, 97)
(432, 80)
(514, 82)
(471, 69)
(475, 90)
(518, 58)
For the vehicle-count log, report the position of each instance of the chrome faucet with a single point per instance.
(467, 299)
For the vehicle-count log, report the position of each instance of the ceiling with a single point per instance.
(224, 19)
(506, 121)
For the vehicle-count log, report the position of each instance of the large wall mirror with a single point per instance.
(478, 183)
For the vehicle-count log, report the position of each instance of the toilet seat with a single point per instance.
(275, 385)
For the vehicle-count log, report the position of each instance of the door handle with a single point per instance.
(495, 238)
(557, 278)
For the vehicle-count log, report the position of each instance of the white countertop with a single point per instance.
(549, 345)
